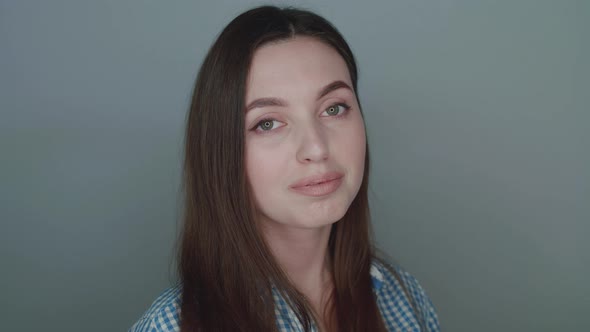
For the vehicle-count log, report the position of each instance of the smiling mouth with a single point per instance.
(317, 179)
(319, 188)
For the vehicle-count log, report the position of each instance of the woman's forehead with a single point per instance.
(298, 65)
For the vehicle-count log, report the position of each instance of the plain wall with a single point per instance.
(479, 126)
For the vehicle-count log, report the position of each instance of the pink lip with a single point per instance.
(319, 185)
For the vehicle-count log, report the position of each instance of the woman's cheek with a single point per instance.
(264, 161)
(354, 142)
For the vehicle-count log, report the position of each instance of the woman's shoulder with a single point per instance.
(399, 294)
(163, 315)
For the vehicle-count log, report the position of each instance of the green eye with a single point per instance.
(333, 110)
(337, 109)
(266, 125)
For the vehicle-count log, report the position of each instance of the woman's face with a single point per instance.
(305, 136)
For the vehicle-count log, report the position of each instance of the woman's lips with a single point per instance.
(321, 185)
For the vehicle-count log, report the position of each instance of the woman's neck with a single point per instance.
(303, 254)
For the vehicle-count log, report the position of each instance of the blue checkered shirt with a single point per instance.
(394, 305)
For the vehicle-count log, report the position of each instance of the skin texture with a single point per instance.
(304, 136)
(305, 140)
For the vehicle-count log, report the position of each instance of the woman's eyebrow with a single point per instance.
(333, 86)
(263, 102)
(271, 101)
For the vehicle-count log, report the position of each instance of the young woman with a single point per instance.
(276, 228)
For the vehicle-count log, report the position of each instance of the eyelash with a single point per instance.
(345, 107)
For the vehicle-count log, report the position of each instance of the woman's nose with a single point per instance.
(313, 144)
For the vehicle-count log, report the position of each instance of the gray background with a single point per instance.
(479, 125)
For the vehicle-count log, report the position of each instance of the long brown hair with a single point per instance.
(226, 269)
